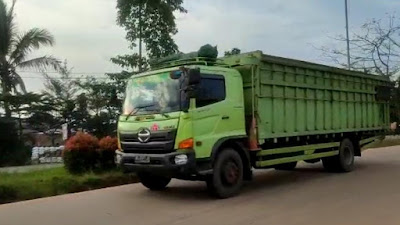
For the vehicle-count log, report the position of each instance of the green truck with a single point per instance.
(217, 120)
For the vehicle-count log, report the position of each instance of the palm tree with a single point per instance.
(14, 51)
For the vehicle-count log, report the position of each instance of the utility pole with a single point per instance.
(347, 35)
(140, 37)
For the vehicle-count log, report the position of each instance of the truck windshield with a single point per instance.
(151, 95)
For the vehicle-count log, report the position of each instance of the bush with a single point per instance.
(12, 150)
(107, 147)
(8, 193)
(80, 154)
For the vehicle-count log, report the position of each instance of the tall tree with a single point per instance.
(14, 51)
(395, 106)
(103, 98)
(62, 91)
(375, 48)
(27, 105)
(151, 22)
(234, 51)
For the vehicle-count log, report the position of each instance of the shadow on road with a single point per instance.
(271, 181)
(263, 180)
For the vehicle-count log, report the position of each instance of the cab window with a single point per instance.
(210, 90)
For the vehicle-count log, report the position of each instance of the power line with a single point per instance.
(80, 73)
(59, 78)
(69, 78)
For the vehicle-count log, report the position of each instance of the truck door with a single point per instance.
(218, 113)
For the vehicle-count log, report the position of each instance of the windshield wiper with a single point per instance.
(165, 115)
(135, 110)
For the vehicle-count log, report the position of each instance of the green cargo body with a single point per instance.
(294, 98)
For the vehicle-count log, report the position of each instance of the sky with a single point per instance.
(87, 35)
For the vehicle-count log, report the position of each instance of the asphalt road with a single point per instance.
(369, 195)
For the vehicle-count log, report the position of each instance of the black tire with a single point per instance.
(344, 162)
(286, 166)
(227, 177)
(154, 182)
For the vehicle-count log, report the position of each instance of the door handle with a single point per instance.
(225, 117)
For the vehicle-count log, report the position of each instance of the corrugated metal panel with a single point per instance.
(294, 98)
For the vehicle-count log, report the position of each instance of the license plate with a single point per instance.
(142, 159)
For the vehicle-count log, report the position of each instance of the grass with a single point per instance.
(387, 142)
(56, 181)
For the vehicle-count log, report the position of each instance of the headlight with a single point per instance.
(181, 159)
(118, 157)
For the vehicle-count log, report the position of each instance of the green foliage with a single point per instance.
(14, 51)
(104, 101)
(395, 103)
(31, 110)
(61, 92)
(79, 162)
(57, 181)
(8, 193)
(83, 153)
(12, 150)
(107, 147)
(153, 21)
(234, 51)
(102, 124)
(150, 22)
(130, 61)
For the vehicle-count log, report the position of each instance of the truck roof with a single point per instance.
(256, 57)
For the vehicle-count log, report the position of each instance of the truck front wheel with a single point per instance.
(227, 177)
(344, 162)
(154, 182)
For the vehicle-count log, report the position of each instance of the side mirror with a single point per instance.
(194, 76)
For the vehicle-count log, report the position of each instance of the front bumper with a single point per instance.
(160, 164)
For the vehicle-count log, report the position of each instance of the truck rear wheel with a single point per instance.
(344, 162)
(154, 182)
(286, 166)
(227, 177)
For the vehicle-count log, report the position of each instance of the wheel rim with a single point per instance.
(347, 155)
(230, 173)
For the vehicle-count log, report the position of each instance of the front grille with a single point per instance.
(155, 136)
(149, 147)
(160, 142)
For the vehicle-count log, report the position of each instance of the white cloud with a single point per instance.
(85, 31)
(87, 34)
(286, 28)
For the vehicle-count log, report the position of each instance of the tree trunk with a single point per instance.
(7, 108)
(5, 91)
(52, 139)
(140, 37)
(20, 126)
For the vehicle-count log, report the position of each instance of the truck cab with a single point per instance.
(176, 119)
